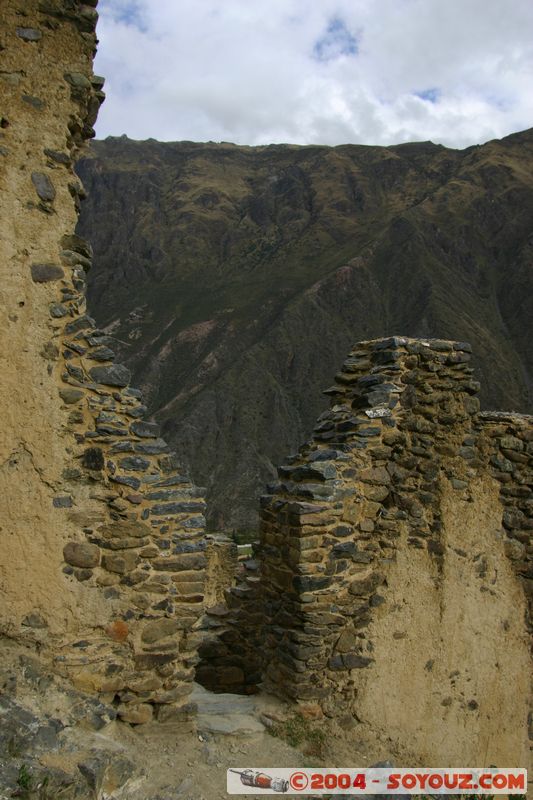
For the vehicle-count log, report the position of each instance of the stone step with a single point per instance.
(226, 713)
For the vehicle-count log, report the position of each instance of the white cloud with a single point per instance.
(458, 72)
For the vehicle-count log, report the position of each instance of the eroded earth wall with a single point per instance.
(396, 559)
(102, 552)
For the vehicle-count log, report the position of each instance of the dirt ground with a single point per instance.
(180, 765)
(73, 740)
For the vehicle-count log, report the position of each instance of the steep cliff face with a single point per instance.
(235, 278)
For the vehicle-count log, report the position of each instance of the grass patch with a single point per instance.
(300, 733)
(25, 779)
(42, 788)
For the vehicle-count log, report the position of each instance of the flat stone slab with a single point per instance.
(237, 724)
(225, 713)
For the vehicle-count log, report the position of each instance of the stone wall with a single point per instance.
(231, 653)
(397, 559)
(140, 535)
(103, 549)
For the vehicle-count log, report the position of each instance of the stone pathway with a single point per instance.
(226, 713)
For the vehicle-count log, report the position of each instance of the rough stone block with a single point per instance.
(44, 273)
(62, 501)
(378, 475)
(43, 186)
(365, 583)
(113, 375)
(29, 34)
(136, 714)
(160, 629)
(82, 554)
(145, 661)
(134, 463)
(184, 561)
(183, 715)
(143, 429)
(70, 395)
(356, 661)
(152, 448)
(125, 562)
(166, 509)
(125, 529)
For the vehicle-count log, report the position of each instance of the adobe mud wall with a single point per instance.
(103, 552)
(396, 570)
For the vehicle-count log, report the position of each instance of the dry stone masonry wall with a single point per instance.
(104, 553)
(333, 523)
(392, 584)
(232, 652)
(145, 544)
(397, 555)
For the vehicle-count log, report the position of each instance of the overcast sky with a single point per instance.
(458, 72)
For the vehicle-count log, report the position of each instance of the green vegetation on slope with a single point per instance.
(236, 278)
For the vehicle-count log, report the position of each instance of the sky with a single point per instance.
(456, 72)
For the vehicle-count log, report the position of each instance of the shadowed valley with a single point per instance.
(233, 280)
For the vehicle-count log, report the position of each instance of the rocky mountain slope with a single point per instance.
(234, 280)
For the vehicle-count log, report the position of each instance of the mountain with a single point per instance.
(235, 279)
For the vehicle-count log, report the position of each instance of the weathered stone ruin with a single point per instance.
(396, 569)
(392, 584)
(396, 582)
(103, 542)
